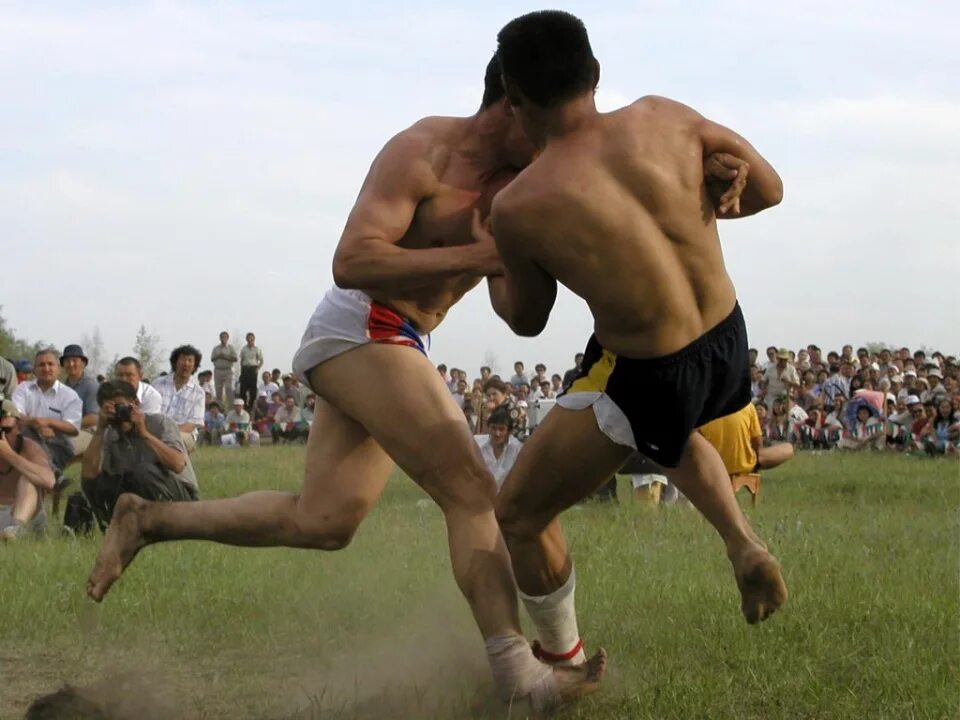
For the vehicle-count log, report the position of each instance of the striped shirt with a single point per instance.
(185, 405)
(836, 385)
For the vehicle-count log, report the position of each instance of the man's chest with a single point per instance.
(444, 219)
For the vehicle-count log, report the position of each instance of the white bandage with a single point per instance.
(555, 617)
(517, 674)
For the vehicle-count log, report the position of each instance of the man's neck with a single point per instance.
(180, 381)
(45, 384)
(498, 449)
(74, 379)
(559, 122)
(481, 141)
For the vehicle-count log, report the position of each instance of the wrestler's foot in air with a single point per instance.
(123, 541)
(762, 589)
(573, 683)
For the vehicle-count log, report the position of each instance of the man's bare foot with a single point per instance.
(123, 541)
(572, 683)
(762, 590)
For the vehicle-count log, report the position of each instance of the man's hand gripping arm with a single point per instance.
(753, 183)
(525, 294)
(368, 257)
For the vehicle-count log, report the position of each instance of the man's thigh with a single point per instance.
(395, 393)
(564, 461)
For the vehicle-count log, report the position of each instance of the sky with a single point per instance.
(189, 166)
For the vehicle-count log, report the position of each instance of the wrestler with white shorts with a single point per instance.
(406, 255)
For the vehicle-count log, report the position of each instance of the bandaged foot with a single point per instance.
(518, 676)
(555, 617)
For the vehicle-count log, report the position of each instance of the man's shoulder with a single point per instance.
(65, 390)
(419, 151)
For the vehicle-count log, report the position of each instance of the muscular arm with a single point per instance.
(170, 457)
(525, 295)
(368, 256)
(764, 187)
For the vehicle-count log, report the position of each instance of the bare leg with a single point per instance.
(427, 435)
(27, 502)
(564, 461)
(345, 473)
(774, 455)
(702, 477)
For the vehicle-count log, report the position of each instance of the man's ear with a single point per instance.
(512, 92)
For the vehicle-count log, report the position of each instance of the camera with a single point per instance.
(121, 413)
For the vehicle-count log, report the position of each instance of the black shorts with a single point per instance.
(665, 399)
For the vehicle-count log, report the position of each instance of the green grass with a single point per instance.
(869, 546)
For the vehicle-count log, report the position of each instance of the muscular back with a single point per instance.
(619, 213)
(420, 194)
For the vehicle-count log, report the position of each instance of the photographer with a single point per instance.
(24, 476)
(135, 453)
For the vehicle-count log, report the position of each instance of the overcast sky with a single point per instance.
(189, 166)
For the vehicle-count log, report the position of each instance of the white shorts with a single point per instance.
(346, 319)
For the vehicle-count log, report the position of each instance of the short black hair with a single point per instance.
(501, 416)
(547, 54)
(186, 350)
(492, 83)
(128, 360)
(113, 389)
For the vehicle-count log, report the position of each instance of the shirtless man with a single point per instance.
(615, 207)
(405, 257)
(407, 244)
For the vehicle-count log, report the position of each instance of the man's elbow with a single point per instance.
(527, 327)
(343, 275)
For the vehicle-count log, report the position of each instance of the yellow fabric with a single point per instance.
(597, 376)
(731, 435)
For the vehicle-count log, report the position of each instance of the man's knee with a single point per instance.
(460, 485)
(327, 529)
(516, 521)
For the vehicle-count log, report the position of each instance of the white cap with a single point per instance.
(238, 401)
(912, 400)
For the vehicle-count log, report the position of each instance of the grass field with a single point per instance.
(869, 546)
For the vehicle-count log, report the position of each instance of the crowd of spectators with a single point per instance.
(889, 400)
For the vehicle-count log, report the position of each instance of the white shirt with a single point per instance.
(798, 414)
(499, 467)
(150, 400)
(184, 405)
(58, 403)
(268, 389)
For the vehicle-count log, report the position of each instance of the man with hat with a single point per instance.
(51, 411)
(780, 378)
(24, 370)
(75, 363)
(238, 421)
(24, 476)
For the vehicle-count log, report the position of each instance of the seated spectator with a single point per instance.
(546, 391)
(288, 423)
(25, 475)
(497, 395)
(268, 387)
(519, 377)
(50, 411)
(237, 421)
(739, 442)
(460, 393)
(266, 413)
(756, 383)
(498, 447)
(570, 375)
(136, 453)
(556, 383)
(183, 400)
(289, 390)
(866, 431)
(129, 371)
(214, 423)
(308, 409)
(205, 381)
(943, 431)
(75, 363)
(24, 370)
